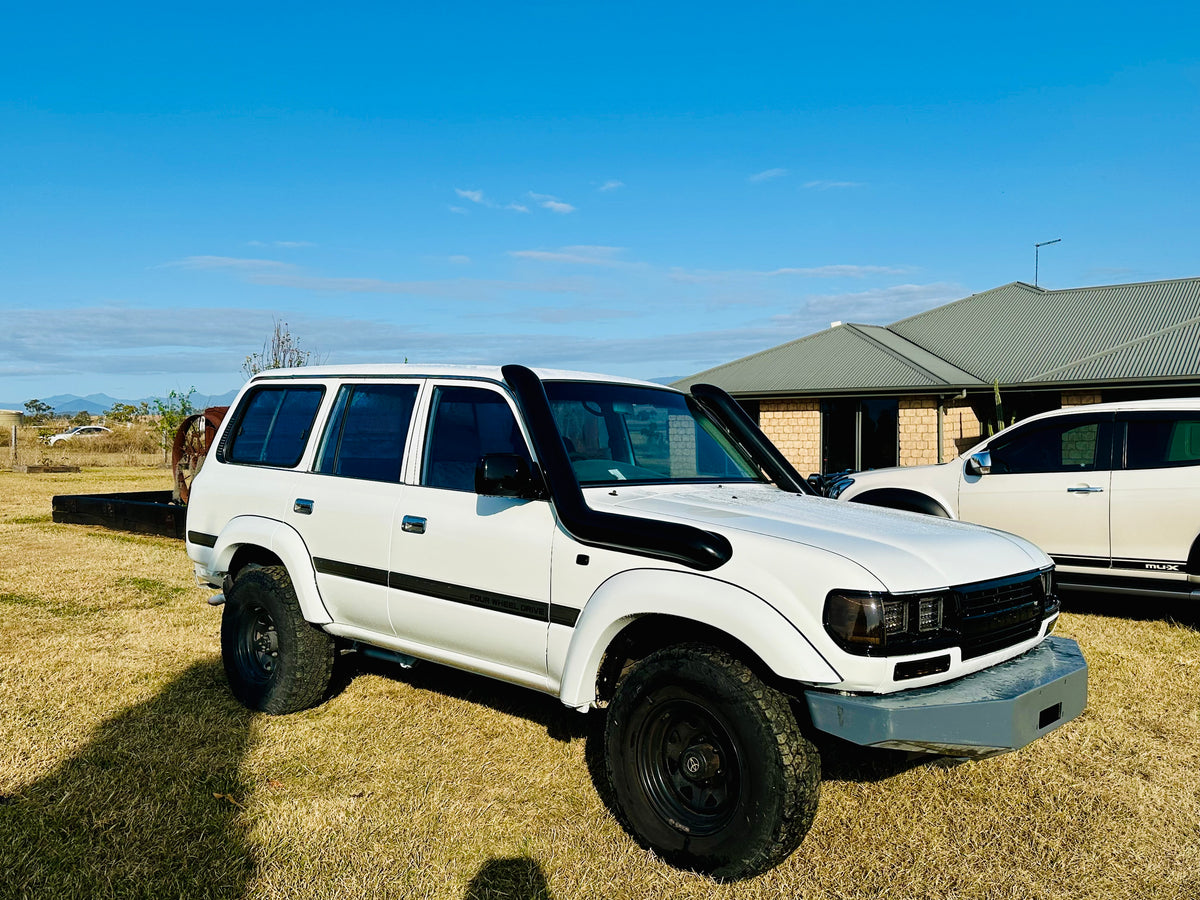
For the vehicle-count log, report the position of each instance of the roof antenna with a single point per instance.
(1036, 249)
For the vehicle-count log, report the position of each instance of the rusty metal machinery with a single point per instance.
(193, 439)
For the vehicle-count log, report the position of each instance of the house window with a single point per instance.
(859, 434)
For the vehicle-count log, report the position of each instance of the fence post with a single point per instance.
(14, 446)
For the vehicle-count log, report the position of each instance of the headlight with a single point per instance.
(868, 623)
(855, 620)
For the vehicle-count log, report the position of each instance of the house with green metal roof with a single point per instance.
(923, 389)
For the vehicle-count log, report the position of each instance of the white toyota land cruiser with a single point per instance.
(619, 544)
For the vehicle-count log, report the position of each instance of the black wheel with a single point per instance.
(275, 661)
(707, 764)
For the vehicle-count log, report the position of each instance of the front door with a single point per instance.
(470, 574)
(1049, 483)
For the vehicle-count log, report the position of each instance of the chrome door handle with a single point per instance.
(413, 525)
(1083, 489)
(304, 507)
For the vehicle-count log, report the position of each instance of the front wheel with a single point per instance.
(276, 662)
(708, 765)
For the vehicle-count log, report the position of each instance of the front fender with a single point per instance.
(283, 541)
(685, 595)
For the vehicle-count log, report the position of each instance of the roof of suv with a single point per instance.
(490, 373)
(1167, 403)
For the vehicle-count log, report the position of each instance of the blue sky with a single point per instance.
(642, 189)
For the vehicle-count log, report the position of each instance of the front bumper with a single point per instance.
(993, 711)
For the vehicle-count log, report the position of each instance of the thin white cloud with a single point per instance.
(459, 259)
(580, 254)
(277, 274)
(552, 203)
(704, 276)
(832, 185)
(226, 262)
(473, 196)
(877, 306)
(767, 175)
(611, 185)
(518, 207)
(457, 210)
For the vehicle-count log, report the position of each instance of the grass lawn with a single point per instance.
(127, 769)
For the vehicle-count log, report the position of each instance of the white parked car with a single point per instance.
(77, 432)
(618, 544)
(1111, 491)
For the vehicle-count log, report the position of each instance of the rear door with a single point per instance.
(1049, 483)
(1156, 492)
(344, 507)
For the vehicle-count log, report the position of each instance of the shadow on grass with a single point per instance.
(150, 807)
(561, 723)
(1141, 609)
(515, 878)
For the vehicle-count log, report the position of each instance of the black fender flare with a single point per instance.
(903, 498)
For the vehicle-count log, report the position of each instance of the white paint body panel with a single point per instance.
(1127, 523)
(789, 551)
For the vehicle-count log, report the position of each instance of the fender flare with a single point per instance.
(284, 542)
(684, 595)
(903, 498)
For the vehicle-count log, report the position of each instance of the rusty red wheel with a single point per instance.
(193, 439)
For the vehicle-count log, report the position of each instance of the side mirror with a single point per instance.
(980, 463)
(503, 475)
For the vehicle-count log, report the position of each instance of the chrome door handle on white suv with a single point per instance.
(1085, 489)
(413, 525)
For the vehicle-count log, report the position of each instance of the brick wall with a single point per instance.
(794, 426)
(917, 423)
(1078, 398)
(961, 429)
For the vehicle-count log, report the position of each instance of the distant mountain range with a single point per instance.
(97, 404)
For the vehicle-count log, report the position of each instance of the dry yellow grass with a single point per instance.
(137, 444)
(126, 769)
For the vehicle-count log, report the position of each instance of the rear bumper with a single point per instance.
(998, 709)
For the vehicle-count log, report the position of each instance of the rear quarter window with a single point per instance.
(272, 426)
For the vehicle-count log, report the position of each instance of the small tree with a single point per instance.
(127, 412)
(171, 413)
(282, 351)
(38, 412)
(83, 417)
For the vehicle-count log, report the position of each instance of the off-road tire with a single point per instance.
(755, 779)
(275, 661)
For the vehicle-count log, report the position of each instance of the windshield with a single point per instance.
(617, 433)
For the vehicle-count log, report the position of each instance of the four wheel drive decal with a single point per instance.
(455, 593)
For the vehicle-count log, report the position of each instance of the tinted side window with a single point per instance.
(1076, 444)
(1162, 440)
(366, 434)
(466, 424)
(273, 426)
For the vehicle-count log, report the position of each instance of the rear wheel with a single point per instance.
(707, 764)
(275, 661)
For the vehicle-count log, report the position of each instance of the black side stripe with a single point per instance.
(455, 593)
(351, 571)
(1144, 565)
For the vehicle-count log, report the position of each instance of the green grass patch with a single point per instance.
(46, 605)
(151, 591)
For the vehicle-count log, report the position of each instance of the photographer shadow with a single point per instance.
(151, 806)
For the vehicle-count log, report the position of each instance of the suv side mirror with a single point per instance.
(503, 475)
(980, 463)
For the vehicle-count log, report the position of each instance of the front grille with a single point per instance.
(993, 615)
